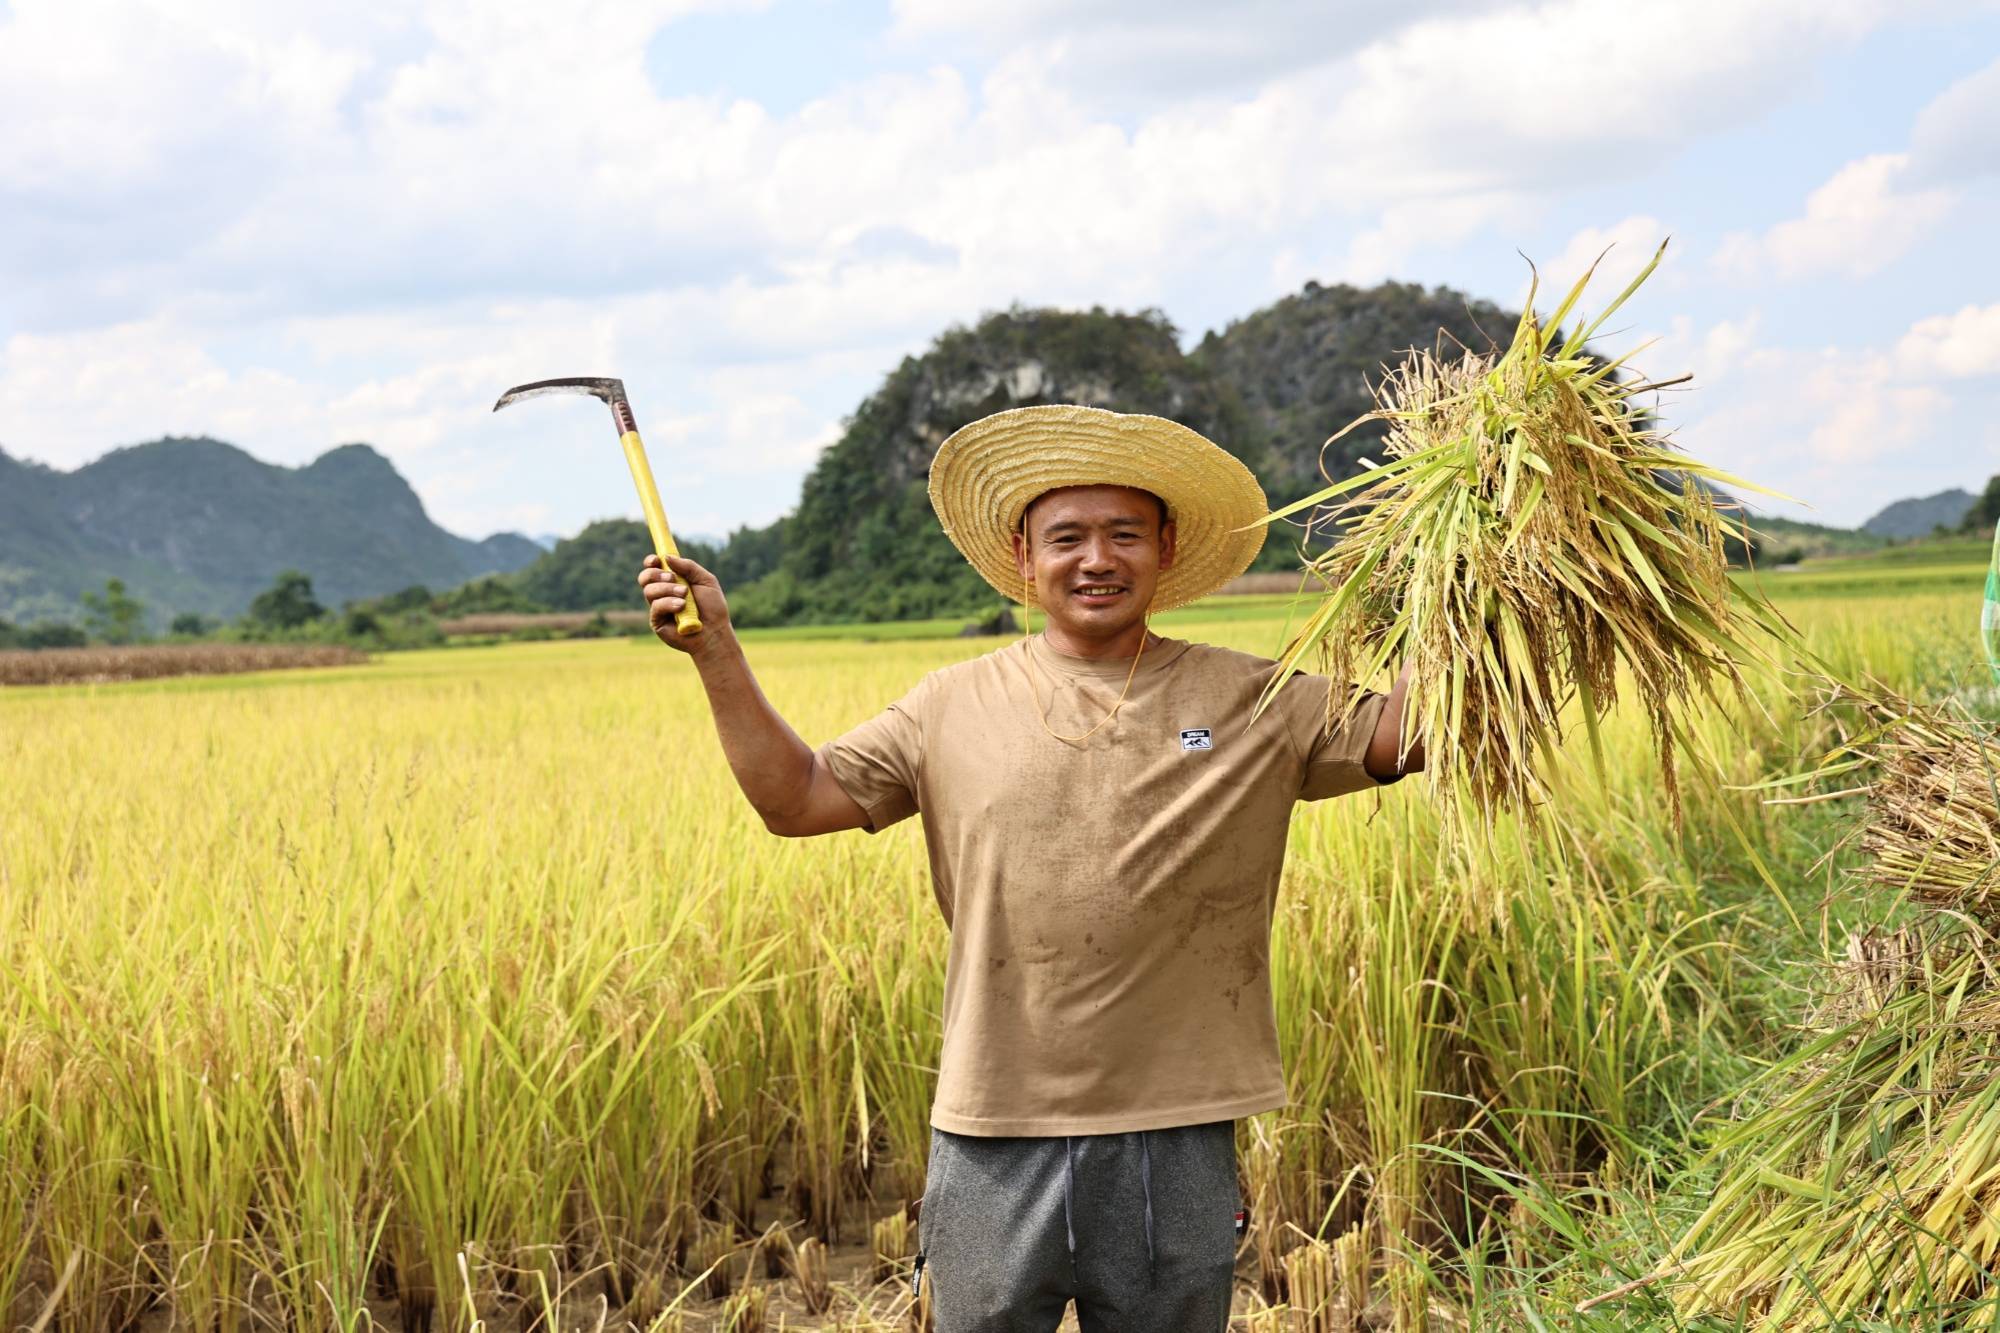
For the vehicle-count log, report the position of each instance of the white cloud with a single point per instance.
(1846, 428)
(1403, 230)
(1866, 411)
(293, 225)
(1161, 52)
(1841, 430)
(1573, 89)
(97, 385)
(1957, 136)
(1618, 253)
(1955, 346)
(1863, 219)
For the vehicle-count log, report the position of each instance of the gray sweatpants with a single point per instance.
(1138, 1229)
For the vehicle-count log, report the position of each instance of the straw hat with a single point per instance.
(987, 473)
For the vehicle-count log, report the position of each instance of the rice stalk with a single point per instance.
(713, 1259)
(815, 1290)
(1530, 534)
(743, 1312)
(890, 1246)
(1310, 1278)
(1352, 1265)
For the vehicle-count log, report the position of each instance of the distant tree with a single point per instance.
(191, 623)
(9, 636)
(286, 604)
(361, 624)
(416, 597)
(114, 616)
(496, 594)
(590, 571)
(1985, 511)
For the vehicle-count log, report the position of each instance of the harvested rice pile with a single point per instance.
(1934, 812)
(86, 666)
(1868, 1185)
(1529, 533)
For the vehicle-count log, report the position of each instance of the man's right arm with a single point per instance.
(784, 780)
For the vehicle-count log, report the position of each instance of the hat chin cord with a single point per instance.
(1035, 680)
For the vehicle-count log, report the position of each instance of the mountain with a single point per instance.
(193, 524)
(1304, 366)
(863, 543)
(1269, 388)
(1918, 517)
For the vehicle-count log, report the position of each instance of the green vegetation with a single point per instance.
(113, 616)
(1785, 541)
(591, 571)
(1303, 367)
(1985, 511)
(286, 604)
(42, 634)
(1940, 565)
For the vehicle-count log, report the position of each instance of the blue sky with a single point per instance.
(295, 226)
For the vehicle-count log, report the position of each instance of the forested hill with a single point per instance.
(196, 525)
(863, 543)
(1303, 367)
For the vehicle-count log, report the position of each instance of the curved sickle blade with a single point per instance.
(610, 390)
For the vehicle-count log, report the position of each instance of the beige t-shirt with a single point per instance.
(1110, 901)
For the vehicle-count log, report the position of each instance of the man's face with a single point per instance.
(1094, 555)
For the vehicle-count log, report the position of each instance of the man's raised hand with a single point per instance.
(666, 591)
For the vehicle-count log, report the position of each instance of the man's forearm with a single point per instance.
(772, 765)
(1380, 759)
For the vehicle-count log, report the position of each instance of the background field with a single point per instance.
(462, 984)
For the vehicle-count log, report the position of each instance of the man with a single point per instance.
(1106, 828)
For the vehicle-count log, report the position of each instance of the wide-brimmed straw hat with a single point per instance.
(987, 473)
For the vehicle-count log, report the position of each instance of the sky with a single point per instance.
(292, 226)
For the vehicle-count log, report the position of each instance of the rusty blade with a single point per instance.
(610, 391)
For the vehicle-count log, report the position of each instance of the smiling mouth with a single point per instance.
(1099, 592)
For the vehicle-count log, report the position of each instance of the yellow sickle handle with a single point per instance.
(687, 621)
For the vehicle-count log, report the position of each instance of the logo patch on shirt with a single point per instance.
(1197, 738)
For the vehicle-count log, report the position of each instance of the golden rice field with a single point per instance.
(460, 988)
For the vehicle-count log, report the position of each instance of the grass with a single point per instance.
(464, 976)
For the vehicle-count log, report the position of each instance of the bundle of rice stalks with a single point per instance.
(1868, 1185)
(1529, 532)
(1933, 831)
